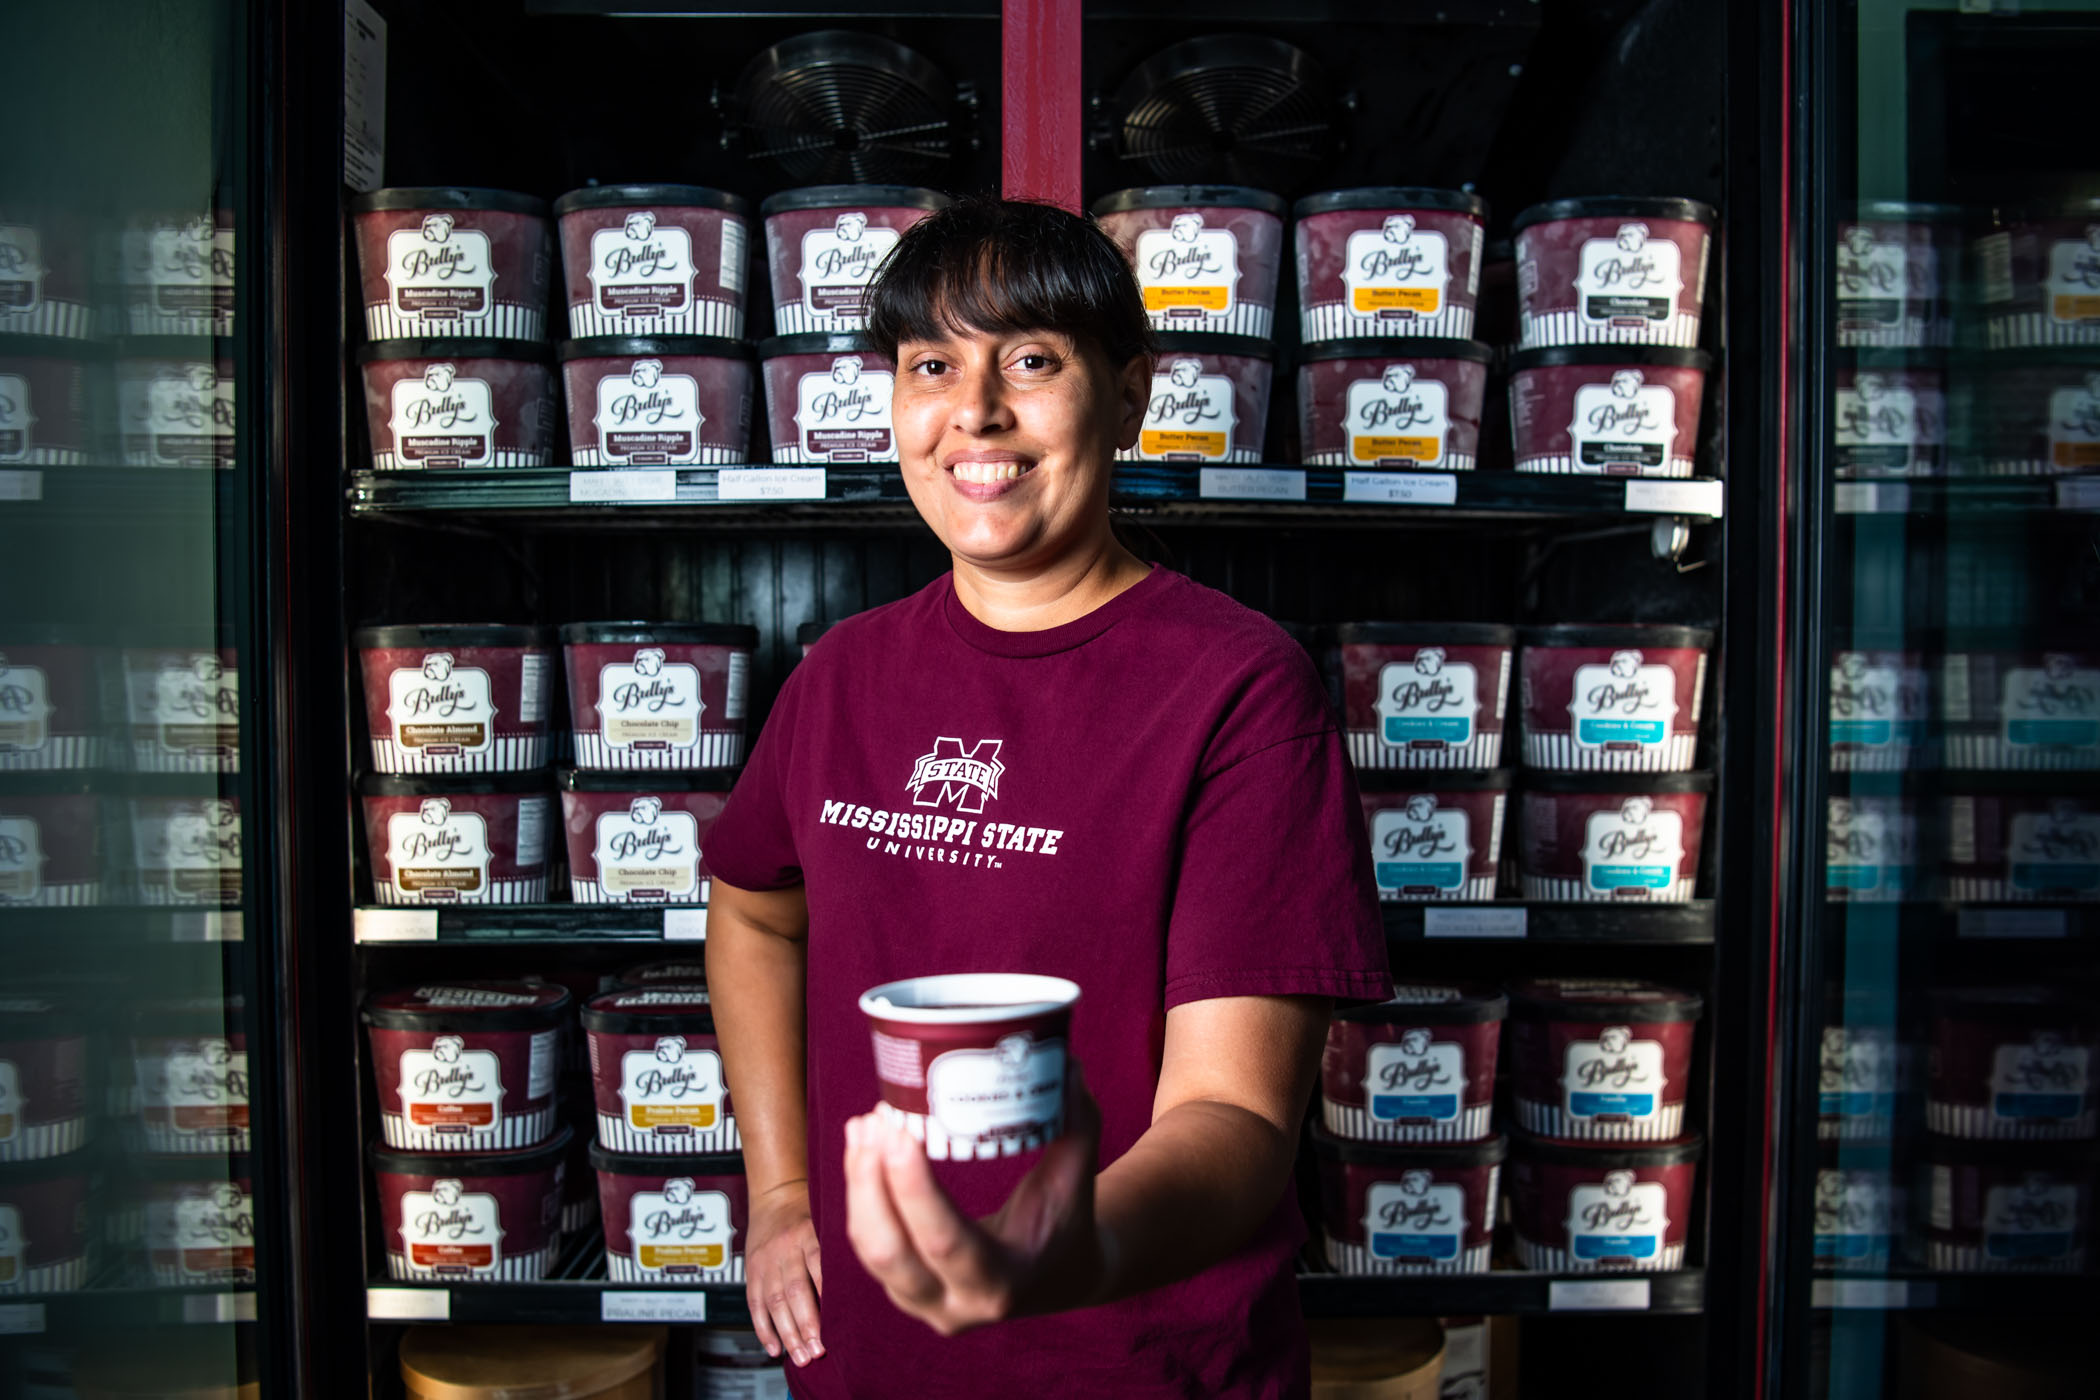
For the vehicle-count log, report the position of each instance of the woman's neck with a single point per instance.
(1041, 599)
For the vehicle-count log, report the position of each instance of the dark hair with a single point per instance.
(1008, 265)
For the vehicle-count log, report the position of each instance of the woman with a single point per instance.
(1159, 810)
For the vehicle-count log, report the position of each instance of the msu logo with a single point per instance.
(949, 775)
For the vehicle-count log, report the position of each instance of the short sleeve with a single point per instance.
(752, 843)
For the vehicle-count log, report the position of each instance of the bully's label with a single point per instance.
(444, 419)
(680, 1231)
(211, 1234)
(441, 707)
(452, 1089)
(21, 269)
(1188, 272)
(1613, 1077)
(649, 704)
(1415, 1079)
(2071, 286)
(1856, 1072)
(1397, 420)
(844, 416)
(181, 416)
(1877, 275)
(1421, 848)
(21, 860)
(1428, 702)
(1012, 1089)
(1633, 849)
(1879, 427)
(437, 854)
(1626, 427)
(10, 1101)
(2041, 1078)
(647, 417)
(1416, 1218)
(1621, 1217)
(672, 1089)
(1191, 416)
(838, 266)
(2054, 705)
(189, 267)
(1854, 1215)
(199, 846)
(2074, 425)
(1396, 272)
(1874, 704)
(17, 417)
(204, 1087)
(641, 269)
(439, 272)
(12, 1243)
(1627, 703)
(451, 1230)
(1630, 279)
(25, 708)
(2055, 852)
(646, 853)
(2032, 1222)
(1866, 848)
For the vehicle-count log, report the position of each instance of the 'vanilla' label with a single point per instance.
(1874, 704)
(1397, 420)
(1396, 272)
(838, 266)
(1854, 1214)
(442, 707)
(1415, 1218)
(1415, 1078)
(2056, 704)
(439, 272)
(1191, 416)
(1189, 272)
(451, 1230)
(1866, 848)
(2057, 850)
(438, 854)
(844, 416)
(1626, 427)
(673, 1088)
(1619, 1218)
(650, 704)
(646, 853)
(2042, 1078)
(444, 419)
(1630, 278)
(1626, 703)
(1856, 1072)
(1613, 1076)
(680, 1231)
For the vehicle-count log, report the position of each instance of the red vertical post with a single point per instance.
(1041, 109)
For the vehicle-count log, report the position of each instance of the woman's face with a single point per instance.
(1008, 441)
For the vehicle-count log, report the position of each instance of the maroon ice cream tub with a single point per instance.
(1615, 698)
(1859, 1209)
(1207, 257)
(733, 1365)
(973, 1064)
(2005, 840)
(1435, 834)
(823, 245)
(1578, 1207)
(1601, 1058)
(1607, 410)
(45, 286)
(456, 698)
(488, 1217)
(1870, 844)
(1423, 694)
(1603, 836)
(653, 401)
(458, 402)
(199, 1219)
(1417, 1068)
(654, 260)
(182, 703)
(1408, 1208)
(1612, 270)
(50, 840)
(2040, 412)
(1888, 415)
(2002, 1207)
(2012, 1062)
(1880, 703)
(43, 404)
(191, 1059)
(658, 694)
(1895, 265)
(51, 700)
(185, 843)
(175, 405)
(689, 971)
(1210, 400)
(178, 274)
(466, 840)
(47, 1242)
(43, 1079)
(1372, 404)
(2005, 703)
(2038, 277)
(675, 1219)
(1858, 1068)
(640, 838)
(828, 399)
(656, 1071)
(467, 1066)
(453, 262)
(1388, 262)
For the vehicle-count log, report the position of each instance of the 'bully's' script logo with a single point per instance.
(949, 775)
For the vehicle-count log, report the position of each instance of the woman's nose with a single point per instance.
(980, 401)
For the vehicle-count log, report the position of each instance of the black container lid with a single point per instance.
(81, 1161)
(447, 197)
(663, 971)
(456, 348)
(484, 1005)
(190, 1166)
(666, 1164)
(450, 634)
(642, 781)
(690, 634)
(444, 784)
(817, 343)
(1390, 347)
(1190, 197)
(1431, 1004)
(1537, 781)
(808, 632)
(1567, 1152)
(1555, 356)
(1615, 206)
(1458, 634)
(2029, 1154)
(620, 347)
(853, 197)
(634, 196)
(1602, 999)
(1485, 1153)
(1612, 634)
(1435, 779)
(1253, 347)
(649, 1010)
(58, 782)
(1896, 357)
(1395, 197)
(545, 1157)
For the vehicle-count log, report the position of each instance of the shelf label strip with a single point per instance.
(395, 925)
(1474, 923)
(1878, 1294)
(770, 484)
(211, 1308)
(21, 1319)
(2078, 493)
(1597, 1295)
(21, 486)
(685, 925)
(1658, 496)
(1871, 498)
(2011, 923)
(409, 1304)
(1401, 488)
(1251, 484)
(653, 1306)
(622, 485)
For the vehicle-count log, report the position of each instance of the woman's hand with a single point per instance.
(783, 1274)
(1042, 1252)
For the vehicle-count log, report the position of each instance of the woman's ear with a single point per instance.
(1134, 396)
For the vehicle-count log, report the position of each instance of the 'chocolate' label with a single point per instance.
(1191, 416)
(1398, 420)
(650, 704)
(1623, 704)
(450, 1230)
(440, 273)
(1415, 1079)
(452, 1089)
(1633, 849)
(1623, 428)
(671, 1089)
(646, 853)
(1188, 272)
(1613, 1076)
(1427, 702)
(844, 416)
(838, 265)
(442, 707)
(1630, 279)
(1620, 1218)
(438, 855)
(640, 269)
(444, 420)
(1415, 1218)
(1396, 272)
(680, 1232)
(1421, 848)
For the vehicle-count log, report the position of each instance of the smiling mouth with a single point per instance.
(976, 473)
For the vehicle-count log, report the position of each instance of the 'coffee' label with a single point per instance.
(1623, 428)
(450, 1230)
(1630, 279)
(1188, 272)
(441, 707)
(2055, 705)
(650, 704)
(451, 1089)
(21, 860)
(1015, 1088)
(1415, 1079)
(1428, 702)
(25, 708)
(646, 416)
(1421, 848)
(844, 416)
(1624, 704)
(838, 265)
(1396, 272)
(1398, 420)
(680, 1231)
(672, 1089)
(2041, 1079)
(1415, 1218)
(1613, 1076)
(2071, 287)
(639, 269)
(1632, 850)
(437, 854)
(440, 273)
(1191, 416)
(1621, 1218)
(646, 853)
(443, 420)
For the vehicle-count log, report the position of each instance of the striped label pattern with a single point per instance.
(2012, 330)
(1238, 454)
(57, 751)
(1977, 1121)
(152, 756)
(1864, 1127)
(36, 456)
(1988, 749)
(1475, 889)
(506, 753)
(531, 889)
(789, 454)
(66, 1276)
(1908, 333)
(1880, 758)
(615, 1134)
(1548, 1260)
(577, 1215)
(1551, 1120)
(793, 318)
(1356, 1259)
(1560, 751)
(1331, 320)
(1559, 889)
(1569, 328)
(154, 887)
(69, 319)
(162, 1137)
(499, 457)
(1357, 1124)
(621, 1269)
(705, 317)
(2019, 466)
(1560, 464)
(718, 748)
(1368, 750)
(512, 1130)
(145, 320)
(942, 1148)
(585, 891)
(35, 1141)
(1945, 1258)
(1245, 318)
(1452, 462)
(510, 1268)
(71, 895)
(703, 456)
(506, 320)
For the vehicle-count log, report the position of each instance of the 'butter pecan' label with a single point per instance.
(1396, 272)
(1189, 272)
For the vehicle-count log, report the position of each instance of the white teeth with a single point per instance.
(984, 473)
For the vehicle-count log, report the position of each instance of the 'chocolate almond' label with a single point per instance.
(2054, 705)
(17, 417)
(441, 707)
(671, 1089)
(1191, 416)
(1013, 1089)
(1428, 702)
(1397, 420)
(444, 419)
(450, 1230)
(1188, 272)
(1613, 1077)
(437, 854)
(680, 1231)
(1633, 850)
(2071, 286)
(21, 269)
(25, 708)
(1415, 1218)
(449, 1088)
(641, 269)
(1626, 703)
(439, 272)
(1421, 848)
(21, 860)
(844, 416)
(1623, 428)
(1396, 272)
(838, 265)
(1415, 1079)
(646, 416)
(1618, 1218)
(1630, 279)
(648, 854)
(649, 704)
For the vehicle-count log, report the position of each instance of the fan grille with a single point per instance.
(852, 109)
(1250, 112)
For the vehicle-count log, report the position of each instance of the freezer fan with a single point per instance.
(1229, 108)
(835, 107)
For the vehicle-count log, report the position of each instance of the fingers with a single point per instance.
(878, 1236)
(802, 1314)
(784, 1309)
(948, 1242)
(761, 1316)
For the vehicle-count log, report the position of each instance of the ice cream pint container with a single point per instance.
(467, 1066)
(2039, 412)
(183, 707)
(973, 1064)
(47, 1241)
(1436, 834)
(654, 401)
(656, 1071)
(828, 399)
(177, 273)
(2003, 1207)
(1613, 698)
(1607, 410)
(456, 698)
(191, 1062)
(175, 405)
(1207, 257)
(1600, 1058)
(824, 245)
(1895, 265)
(199, 1220)
(733, 1365)
(458, 402)
(43, 405)
(1859, 1210)
(1422, 694)
(1600, 836)
(51, 700)
(640, 838)
(185, 845)
(1581, 1207)
(1408, 1208)
(2012, 1062)
(45, 282)
(1388, 262)
(1612, 270)
(1880, 703)
(1870, 846)
(654, 260)
(1210, 400)
(471, 1218)
(658, 694)
(677, 1220)
(1372, 405)
(2005, 840)
(1419, 1067)
(51, 850)
(478, 839)
(43, 1079)
(1857, 1072)
(2038, 277)
(2008, 704)
(453, 262)
(1889, 415)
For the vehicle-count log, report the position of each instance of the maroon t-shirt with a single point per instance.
(1161, 811)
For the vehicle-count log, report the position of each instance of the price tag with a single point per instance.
(219, 1307)
(21, 1319)
(206, 926)
(770, 484)
(2078, 493)
(685, 925)
(652, 1306)
(1462, 922)
(395, 925)
(409, 1304)
(1871, 498)
(2012, 923)
(1657, 496)
(1597, 1295)
(623, 484)
(1401, 488)
(1251, 484)
(1880, 1294)
(21, 486)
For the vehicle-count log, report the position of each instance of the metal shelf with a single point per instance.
(108, 1311)
(125, 925)
(1973, 495)
(2033, 1294)
(99, 496)
(1965, 924)
(1575, 922)
(1442, 1295)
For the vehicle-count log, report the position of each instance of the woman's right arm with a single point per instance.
(757, 964)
